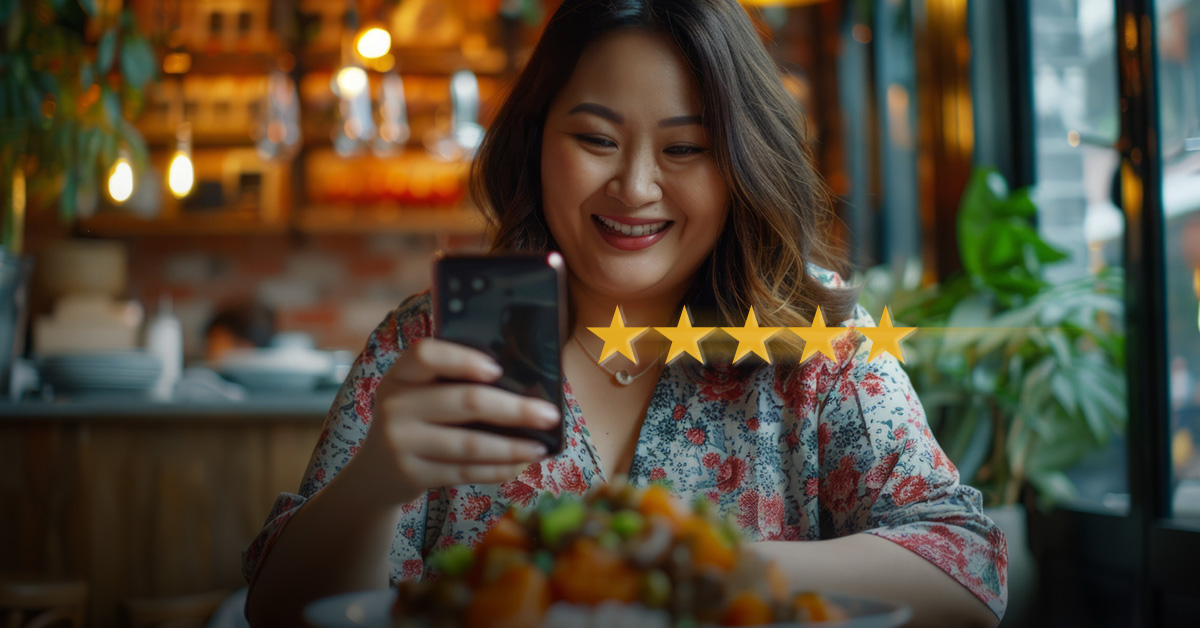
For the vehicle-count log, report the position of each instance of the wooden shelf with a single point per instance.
(391, 219)
(129, 225)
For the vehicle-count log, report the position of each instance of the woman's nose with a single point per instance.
(636, 184)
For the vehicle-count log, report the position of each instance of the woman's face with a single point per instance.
(631, 191)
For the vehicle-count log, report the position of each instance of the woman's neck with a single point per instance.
(591, 309)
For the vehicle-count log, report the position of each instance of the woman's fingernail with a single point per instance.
(548, 414)
(493, 370)
(537, 451)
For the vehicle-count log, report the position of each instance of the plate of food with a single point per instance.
(619, 557)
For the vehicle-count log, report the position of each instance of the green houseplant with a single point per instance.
(1020, 377)
(72, 75)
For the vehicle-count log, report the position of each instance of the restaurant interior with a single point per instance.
(208, 205)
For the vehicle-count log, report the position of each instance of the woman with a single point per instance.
(651, 142)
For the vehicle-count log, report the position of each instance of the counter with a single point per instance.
(146, 499)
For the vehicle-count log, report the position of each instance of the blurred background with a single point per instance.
(208, 205)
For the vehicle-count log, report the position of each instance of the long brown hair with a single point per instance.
(780, 208)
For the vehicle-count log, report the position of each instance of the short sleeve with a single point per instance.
(883, 473)
(344, 430)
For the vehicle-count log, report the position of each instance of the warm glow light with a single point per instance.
(120, 181)
(181, 175)
(1073, 138)
(350, 82)
(373, 43)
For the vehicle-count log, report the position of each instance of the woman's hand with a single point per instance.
(416, 442)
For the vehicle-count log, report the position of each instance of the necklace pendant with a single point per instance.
(623, 378)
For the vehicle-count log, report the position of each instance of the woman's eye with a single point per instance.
(597, 141)
(684, 150)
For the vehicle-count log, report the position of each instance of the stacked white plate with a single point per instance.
(101, 373)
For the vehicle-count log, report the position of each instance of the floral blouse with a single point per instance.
(830, 450)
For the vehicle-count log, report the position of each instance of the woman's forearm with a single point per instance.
(868, 565)
(337, 542)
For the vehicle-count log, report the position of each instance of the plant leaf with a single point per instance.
(1054, 486)
(106, 52)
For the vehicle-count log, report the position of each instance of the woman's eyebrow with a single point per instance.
(609, 114)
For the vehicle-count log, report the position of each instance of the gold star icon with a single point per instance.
(685, 338)
(617, 337)
(885, 337)
(752, 338)
(818, 337)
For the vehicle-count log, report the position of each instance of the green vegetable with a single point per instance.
(452, 561)
(609, 540)
(656, 589)
(627, 523)
(566, 517)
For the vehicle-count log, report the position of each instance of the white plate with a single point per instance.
(372, 609)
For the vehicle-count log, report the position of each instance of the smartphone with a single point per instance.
(512, 307)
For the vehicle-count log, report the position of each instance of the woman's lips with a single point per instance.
(630, 243)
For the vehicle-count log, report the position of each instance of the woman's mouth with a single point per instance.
(631, 237)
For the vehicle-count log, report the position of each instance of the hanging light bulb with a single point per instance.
(373, 42)
(349, 82)
(120, 180)
(181, 173)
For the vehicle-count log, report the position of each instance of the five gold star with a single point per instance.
(618, 338)
(885, 337)
(685, 338)
(818, 337)
(752, 338)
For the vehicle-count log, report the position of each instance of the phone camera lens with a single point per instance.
(454, 284)
(455, 306)
(477, 284)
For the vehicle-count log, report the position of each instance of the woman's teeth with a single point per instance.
(635, 231)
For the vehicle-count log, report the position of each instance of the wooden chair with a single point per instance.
(181, 611)
(40, 602)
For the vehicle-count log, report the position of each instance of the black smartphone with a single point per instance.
(512, 307)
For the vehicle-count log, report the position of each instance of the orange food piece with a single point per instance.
(518, 599)
(813, 607)
(589, 574)
(747, 609)
(508, 532)
(709, 548)
(657, 500)
(777, 581)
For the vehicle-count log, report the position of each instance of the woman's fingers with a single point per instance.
(449, 474)
(431, 359)
(461, 403)
(458, 445)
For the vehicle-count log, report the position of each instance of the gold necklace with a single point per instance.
(621, 376)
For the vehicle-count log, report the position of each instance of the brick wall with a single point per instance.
(335, 287)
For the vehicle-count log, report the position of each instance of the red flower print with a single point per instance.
(797, 390)
(899, 433)
(712, 496)
(841, 487)
(435, 495)
(320, 476)
(941, 461)
(476, 506)
(354, 449)
(411, 569)
(792, 439)
(385, 337)
(752, 424)
(731, 474)
(748, 511)
(658, 473)
(517, 492)
(417, 328)
(532, 475)
(679, 413)
(770, 517)
(811, 486)
(878, 475)
(572, 479)
(999, 546)
(824, 435)
(711, 460)
(872, 384)
(844, 347)
(720, 383)
(696, 436)
(364, 398)
(846, 387)
(409, 532)
(911, 489)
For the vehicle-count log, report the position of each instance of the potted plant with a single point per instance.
(1021, 378)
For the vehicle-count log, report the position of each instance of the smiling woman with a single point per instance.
(652, 143)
